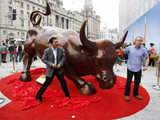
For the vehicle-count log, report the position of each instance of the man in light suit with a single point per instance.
(54, 58)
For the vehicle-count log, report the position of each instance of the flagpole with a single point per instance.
(133, 34)
(145, 29)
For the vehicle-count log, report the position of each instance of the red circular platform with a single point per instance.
(105, 105)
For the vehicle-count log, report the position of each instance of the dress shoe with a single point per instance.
(39, 99)
(138, 97)
(127, 98)
(69, 97)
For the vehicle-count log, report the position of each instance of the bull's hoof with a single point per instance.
(25, 77)
(88, 89)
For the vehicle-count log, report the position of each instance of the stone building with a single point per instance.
(60, 17)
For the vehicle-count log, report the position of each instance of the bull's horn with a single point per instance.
(89, 46)
(34, 15)
(119, 44)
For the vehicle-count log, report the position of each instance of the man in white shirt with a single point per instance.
(54, 58)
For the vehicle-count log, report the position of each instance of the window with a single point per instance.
(10, 9)
(33, 8)
(10, 1)
(28, 19)
(10, 13)
(22, 12)
(57, 19)
(21, 4)
(67, 24)
(22, 23)
(50, 21)
(28, 7)
(62, 22)
(22, 34)
(28, 23)
(28, 14)
(4, 32)
(10, 22)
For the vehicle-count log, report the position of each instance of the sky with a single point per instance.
(107, 9)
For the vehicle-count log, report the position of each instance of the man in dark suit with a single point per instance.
(54, 58)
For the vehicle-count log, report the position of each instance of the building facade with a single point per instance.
(131, 10)
(60, 17)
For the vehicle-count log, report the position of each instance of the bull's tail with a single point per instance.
(39, 14)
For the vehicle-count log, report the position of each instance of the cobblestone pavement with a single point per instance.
(151, 112)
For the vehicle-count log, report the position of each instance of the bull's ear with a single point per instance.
(89, 46)
(119, 44)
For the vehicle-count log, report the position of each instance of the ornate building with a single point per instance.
(15, 27)
(93, 28)
(130, 10)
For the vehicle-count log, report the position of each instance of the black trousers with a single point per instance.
(3, 58)
(151, 62)
(137, 80)
(49, 80)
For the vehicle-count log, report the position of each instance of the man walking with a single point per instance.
(136, 56)
(54, 58)
(4, 53)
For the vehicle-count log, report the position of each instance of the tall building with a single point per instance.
(15, 22)
(93, 26)
(131, 10)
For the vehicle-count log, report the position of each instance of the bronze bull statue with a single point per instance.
(83, 57)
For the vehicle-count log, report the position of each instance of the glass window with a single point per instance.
(62, 22)
(4, 32)
(10, 13)
(33, 8)
(22, 23)
(28, 7)
(10, 1)
(57, 21)
(28, 23)
(21, 4)
(10, 9)
(22, 12)
(67, 24)
(28, 14)
(22, 34)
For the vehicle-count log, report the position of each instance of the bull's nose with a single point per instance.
(107, 85)
(111, 82)
(105, 78)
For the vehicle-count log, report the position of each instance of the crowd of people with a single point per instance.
(153, 56)
(13, 51)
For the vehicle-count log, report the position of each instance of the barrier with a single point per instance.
(13, 58)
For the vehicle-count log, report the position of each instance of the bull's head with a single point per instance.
(104, 56)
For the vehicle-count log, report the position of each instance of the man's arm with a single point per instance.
(63, 57)
(125, 51)
(146, 59)
(45, 58)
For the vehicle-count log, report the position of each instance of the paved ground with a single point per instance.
(151, 112)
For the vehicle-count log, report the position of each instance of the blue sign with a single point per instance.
(151, 20)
